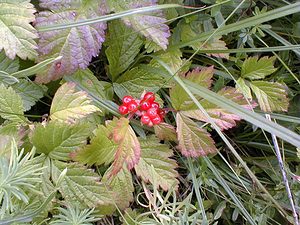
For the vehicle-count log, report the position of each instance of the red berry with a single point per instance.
(161, 113)
(156, 120)
(126, 99)
(145, 106)
(149, 97)
(123, 109)
(132, 106)
(145, 119)
(154, 105)
(152, 112)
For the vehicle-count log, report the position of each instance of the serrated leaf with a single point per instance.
(29, 92)
(172, 58)
(254, 68)
(243, 88)
(216, 44)
(81, 185)
(271, 96)
(123, 47)
(223, 118)
(193, 140)
(16, 33)
(151, 25)
(7, 65)
(69, 104)
(129, 149)
(11, 105)
(180, 99)
(165, 131)
(76, 45)
(138, 79)
(59, 140)
(155, 165)
(101, 150)
(121, 186)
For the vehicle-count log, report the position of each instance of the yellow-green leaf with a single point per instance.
(69, 105)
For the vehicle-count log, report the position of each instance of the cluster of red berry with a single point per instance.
(146, 107)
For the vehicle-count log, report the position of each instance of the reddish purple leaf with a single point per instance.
(76, 45)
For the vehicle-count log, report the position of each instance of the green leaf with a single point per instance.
(8, 65)
(172, 58)
(155, 165)
(121, 186)
(254, 68)
(101, 150)
(138, 79)
(180, 99)
(29, 92)
(16, 33)
(129, 149)
(123, 46)
(243, 87)
(193, 140)
(69, 105)
(271, 96)
(81, 185)
(58, 139)
(11, 105)
(223, 118)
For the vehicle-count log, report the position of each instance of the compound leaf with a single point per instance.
(76, 45)
(138, 79)
(254, 68)
(16, 33)
(193, 140)
(69, 104)
(29, 92)
(121, 186)
(271, 96)
(81, 185)
(151, 25)
(223, 118)
(101, 150)
(155, 165)
(123, 47)
(129, 149)
(11, 105)
(58, 140)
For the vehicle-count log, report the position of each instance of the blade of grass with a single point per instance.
(252, 21)
(108, 17)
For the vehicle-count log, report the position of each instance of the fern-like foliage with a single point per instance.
(73, 215)
(17, 174)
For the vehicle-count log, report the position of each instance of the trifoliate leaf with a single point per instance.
(138, 79)
(271, 96)
(193, 140)
(69, 104)
(11, 105)
(223, 118)
(243, 88)
(123, 46)
(151, 25)
(180, 99)
(81, 185)
(76, 45)
(254, 68)
(59, 140)
(155, 165)
(165, 131)
(101, 150)
(121, 186)
(16, 33)
(29, 92)
(129, 149)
